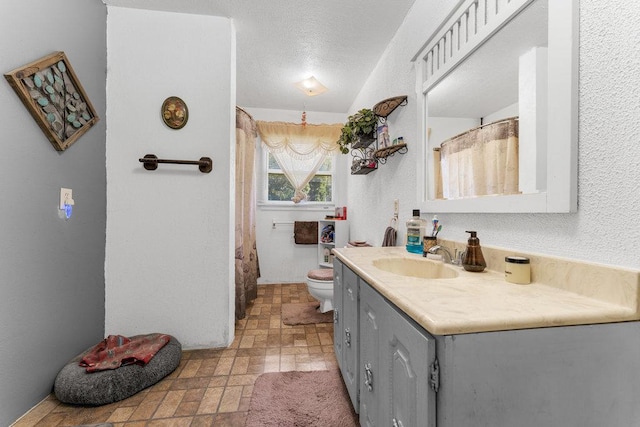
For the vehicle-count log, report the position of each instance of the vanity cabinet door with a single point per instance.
(396, 357)
(409, 355)
(372, 312)
(350, 336)
(338, 329)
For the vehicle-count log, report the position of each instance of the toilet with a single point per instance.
(320, 286)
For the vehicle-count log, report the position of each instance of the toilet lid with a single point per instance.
(321, 274)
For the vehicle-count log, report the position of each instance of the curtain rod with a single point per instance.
(516, 118)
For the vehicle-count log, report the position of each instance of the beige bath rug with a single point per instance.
(304, 313)
(309, 399)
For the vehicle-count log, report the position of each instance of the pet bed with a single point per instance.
(77, 386)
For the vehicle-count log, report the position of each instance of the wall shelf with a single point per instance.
(382, 153)
(365, 152)
(362, 152)
(363, 167)
(340, 239)
(364, 141)
(383, 108)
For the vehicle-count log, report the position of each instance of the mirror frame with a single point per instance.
(562, 119)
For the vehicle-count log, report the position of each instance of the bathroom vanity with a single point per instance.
(423, 344)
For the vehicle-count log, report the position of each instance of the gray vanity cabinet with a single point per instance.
(385, 358)
(337, 311)
(585, 375)
(346, 328)
(395, 360)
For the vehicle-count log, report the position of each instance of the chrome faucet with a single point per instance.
(447, 258)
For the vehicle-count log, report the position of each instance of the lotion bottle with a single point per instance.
(473, 259)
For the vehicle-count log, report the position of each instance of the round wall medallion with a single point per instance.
(174, 112)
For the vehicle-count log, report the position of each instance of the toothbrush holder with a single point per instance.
(427, 243)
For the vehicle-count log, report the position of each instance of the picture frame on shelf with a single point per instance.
(383, 136)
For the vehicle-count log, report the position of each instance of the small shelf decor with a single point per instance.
(361, 166)
(53, 95)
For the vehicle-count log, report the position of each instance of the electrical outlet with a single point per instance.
(396, 207)
(66, 195)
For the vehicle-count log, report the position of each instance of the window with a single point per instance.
(319, 189)
(298, 161)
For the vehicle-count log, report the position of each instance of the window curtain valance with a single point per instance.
(299, 149)
(299, 141)
(480, 162)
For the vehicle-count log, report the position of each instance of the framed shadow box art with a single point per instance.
(53, 95)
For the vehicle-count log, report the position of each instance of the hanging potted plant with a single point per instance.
(358, 131)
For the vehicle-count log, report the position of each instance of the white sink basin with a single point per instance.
(415, 267)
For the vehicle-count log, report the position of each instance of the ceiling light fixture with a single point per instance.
(311, 86)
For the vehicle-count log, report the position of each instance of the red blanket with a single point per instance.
(117, 350)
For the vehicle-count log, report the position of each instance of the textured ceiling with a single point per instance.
(282, 42)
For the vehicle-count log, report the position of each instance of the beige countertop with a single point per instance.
(482, 302)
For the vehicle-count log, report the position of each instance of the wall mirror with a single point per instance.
(493, 59)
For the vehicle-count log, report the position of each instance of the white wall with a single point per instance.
(169, 260)
(281, 260)
(605, 228)
(371, 196)
(51, 269)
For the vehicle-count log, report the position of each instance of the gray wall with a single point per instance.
(51, 270)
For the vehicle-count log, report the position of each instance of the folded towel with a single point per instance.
(305, 232)
(389, 237)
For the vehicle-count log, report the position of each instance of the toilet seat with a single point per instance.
(321, 274)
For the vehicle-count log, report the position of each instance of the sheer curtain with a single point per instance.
(247, 269)
(299, 149)
(480, 162)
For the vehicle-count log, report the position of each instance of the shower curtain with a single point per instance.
(480, 162)
(247, 269)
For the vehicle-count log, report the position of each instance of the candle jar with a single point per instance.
(517, 269)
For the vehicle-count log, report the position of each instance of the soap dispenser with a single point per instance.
(473, 260)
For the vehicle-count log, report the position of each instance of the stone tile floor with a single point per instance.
(213, 387)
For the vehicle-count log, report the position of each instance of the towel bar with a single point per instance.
(150, 163)
(274, 223)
